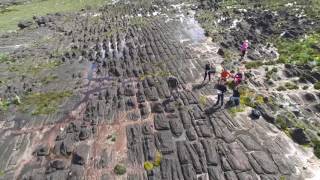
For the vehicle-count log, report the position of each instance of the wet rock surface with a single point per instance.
(131, 66)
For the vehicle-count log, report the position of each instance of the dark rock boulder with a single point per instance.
(84, 134)
(157, 108)
(221, 52)
(58, 164)
(299, 136)
(24, 24)
(41, 20)
(309, 97)
(81, 154)
(42, 150)
(173, 82)
(255, 114)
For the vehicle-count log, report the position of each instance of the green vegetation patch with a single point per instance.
(48, 79)
(249, 97)
(120, 169)
(317, 85)
(43, 103)
(300, 51)
(203, 100)
(4, 58)
(29, 67)
(316, 148)
(291, 86)
(253, 64)
(148, 165)
(10, 16)
(139, 21)
(237, 109)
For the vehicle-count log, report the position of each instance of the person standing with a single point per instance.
(221, 89)
(209, 69)
(238, 78)
(244, 48)
(235, 98)
(225, 74)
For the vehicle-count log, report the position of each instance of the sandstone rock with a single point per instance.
(265, 162)
(176, 127)
(161, 122)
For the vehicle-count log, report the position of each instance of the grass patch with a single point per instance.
(4, 105)
(48, 79)
(237, 109)
(4, 58)
(10, 16)
(203, 100)
(253, 64)
(249, 97)
(148, 165)
(300, 51)
(316, 148)
(43, 103)
(281, 88)
(120, 169)
(291, 86)
(281, 122)
(317, 85)
(28, 67)
(139, 22)
(270, 73)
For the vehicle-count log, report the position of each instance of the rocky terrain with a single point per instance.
(117, 93)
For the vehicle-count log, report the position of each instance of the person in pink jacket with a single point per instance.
(244, 48)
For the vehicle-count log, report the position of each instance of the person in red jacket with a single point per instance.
(225, 74)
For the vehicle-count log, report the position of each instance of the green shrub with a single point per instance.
(43, 103)
(299, 51)
(203, 100)
(4, 58)
(148, 165)
(317, 85)
(316, 148)
(281, 122)
(157, 160)
(120, 169)
(291, 86)
(234, 110)
(253, 64)
(281, 88)
(4, 105)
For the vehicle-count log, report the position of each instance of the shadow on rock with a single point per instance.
(212, 110)
(199, 86)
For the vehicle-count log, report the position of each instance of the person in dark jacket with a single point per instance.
(209, 69)
(235, 99)
(221, 89)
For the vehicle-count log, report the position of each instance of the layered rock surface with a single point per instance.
(128, 109)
